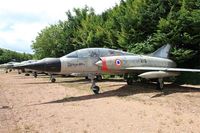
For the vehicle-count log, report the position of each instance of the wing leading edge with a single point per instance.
(160, 72)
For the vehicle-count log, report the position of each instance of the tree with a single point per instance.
(7, 56)
(138, 26)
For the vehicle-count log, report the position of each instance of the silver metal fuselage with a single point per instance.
(84, 61)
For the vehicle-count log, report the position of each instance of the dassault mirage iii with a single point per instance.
(97, 61)
(8, 66)
(27, 71)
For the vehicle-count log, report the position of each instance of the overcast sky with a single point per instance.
(21, 20)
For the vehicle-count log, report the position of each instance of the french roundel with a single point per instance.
(118, 62)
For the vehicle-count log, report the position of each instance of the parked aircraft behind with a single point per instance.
(24, 70)
(8, 66)
(96, 61)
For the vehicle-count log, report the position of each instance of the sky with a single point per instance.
(22, 20)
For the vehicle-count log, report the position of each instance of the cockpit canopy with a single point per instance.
(72, 55)
(95, 52)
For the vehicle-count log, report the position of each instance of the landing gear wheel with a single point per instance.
(27, 74)
(129, 81)
(160, 84)
(95, 89)
(35, 74)
(53, 80)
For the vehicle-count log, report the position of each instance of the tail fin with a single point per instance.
(162, 52)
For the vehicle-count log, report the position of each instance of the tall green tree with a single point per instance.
(138, 26)
(8, 55)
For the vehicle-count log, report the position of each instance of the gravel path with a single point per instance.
(68, 106)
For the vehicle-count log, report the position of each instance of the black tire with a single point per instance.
(35, 75)
(129, 81)
(96, 89)
(27, 74)
(53, 80)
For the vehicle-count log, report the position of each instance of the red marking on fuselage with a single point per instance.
(104, 65)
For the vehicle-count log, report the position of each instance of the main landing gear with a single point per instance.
(27, 74)
(130, 78)
(52, 79)
(19, 72)
(35, 74)
(94, 87)
(160, 84)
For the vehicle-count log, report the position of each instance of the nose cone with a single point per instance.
(99, 63)
(45, 65)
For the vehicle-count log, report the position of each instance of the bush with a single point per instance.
(188, 78)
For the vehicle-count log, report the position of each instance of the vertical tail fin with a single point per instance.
(162, 52)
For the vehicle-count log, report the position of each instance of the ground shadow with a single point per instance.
(127, 90)
(176, 88)
(37, 83)
(81, 81)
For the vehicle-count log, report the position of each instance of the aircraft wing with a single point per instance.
(160, 72)
(162, 69)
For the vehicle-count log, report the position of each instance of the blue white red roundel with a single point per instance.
(118, 62)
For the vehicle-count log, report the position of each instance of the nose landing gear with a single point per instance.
(160, 84)
(94, 87)
(52, 79)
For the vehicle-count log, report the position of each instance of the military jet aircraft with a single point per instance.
(8, 66)
(23, 70)
(96, 61)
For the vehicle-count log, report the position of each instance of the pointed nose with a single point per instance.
(47, 65)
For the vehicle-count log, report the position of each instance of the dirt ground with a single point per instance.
(35, 105)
